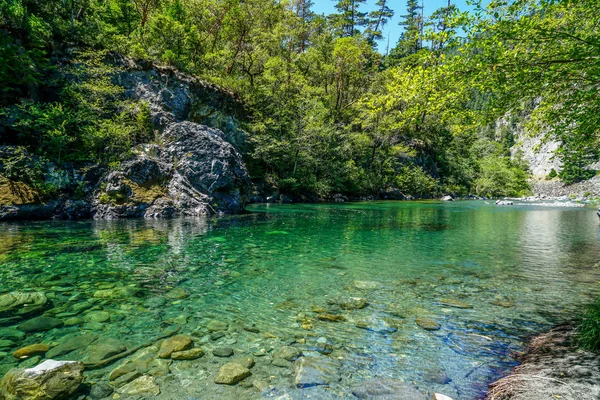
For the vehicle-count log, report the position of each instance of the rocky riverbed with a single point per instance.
(80, 349)
(328, 302)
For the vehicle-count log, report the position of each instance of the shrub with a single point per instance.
(553, 174)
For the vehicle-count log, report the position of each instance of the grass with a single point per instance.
(589, 328)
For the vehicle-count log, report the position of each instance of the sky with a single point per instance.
(392, 29)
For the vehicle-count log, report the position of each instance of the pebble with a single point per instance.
(223, 352)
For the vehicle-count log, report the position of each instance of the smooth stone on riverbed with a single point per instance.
(31, 350)
(288, 353)
(315, 370)
(40, 324)
(96, 316)
(173, 344)
(12, 300)
(428, 324)
(190, 354)
(216, 326)
(351, 303)
(232, 373)
(246, 362)
(142, 386)
(387, 389)
(49, 380)
(103, 349)
(455, 303)
(71, 343)
(223, 352)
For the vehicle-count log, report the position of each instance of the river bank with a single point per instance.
(552, 367)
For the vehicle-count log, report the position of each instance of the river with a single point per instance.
(437, 295)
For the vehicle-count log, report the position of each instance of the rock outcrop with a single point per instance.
(193, 166)
(194, 171)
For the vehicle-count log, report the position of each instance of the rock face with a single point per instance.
(194, 172)
(49, 380)
(190, 169)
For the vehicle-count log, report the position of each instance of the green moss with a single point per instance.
(17, 193)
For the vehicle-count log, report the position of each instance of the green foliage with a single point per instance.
(588, 330)
(329, 112)
(414, 180)
(553, 174)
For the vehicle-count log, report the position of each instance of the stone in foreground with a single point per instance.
(232, 373)
(315, 370)
(48, 380)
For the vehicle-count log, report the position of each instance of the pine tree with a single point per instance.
(377, 19)
(411, 39)
(349, 17)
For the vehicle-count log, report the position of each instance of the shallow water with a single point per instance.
(520, 268)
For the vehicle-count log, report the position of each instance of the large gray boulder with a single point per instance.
(46, 381)
(193, 172)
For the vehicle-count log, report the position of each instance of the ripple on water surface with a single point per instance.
(435, 295)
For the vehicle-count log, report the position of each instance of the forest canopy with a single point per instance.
(329, 112)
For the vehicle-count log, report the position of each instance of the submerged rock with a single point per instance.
(49, 380)
(386, 389)
(331, 317)
(455, 303)
(216, 326)
(71, 343)
(21, 301)
(31, 350)
(428, 324)
(350, 303)
(104, 348)
(190, 354)
(222, 352)
(96, 316)
(142, 386)
(232, 373)
(174, 344)
(288, 353)
(40, 324)
(315, 370)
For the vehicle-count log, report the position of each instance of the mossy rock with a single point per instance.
(17, 193)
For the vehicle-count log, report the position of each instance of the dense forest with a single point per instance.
(328, 111)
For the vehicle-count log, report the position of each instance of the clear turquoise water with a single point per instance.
(521, 268)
